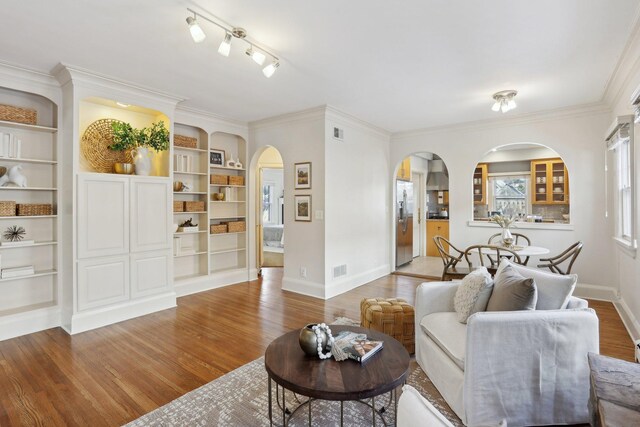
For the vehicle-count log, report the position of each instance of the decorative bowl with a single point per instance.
(178, 186)
(123, 168)
(218, 196)
(309, 341)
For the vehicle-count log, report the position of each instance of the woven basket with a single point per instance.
(7, 208)
(193, 206)
(236, 226)
(219, 179)
(236, 180)
(218, 228)
(185, 141)
(34, 209)
(10, 113)
(178, 206)
(95, 146)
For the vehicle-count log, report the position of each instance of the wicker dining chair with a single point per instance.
(490, 256)
(570, 254)
(450, 261)
(518, 240)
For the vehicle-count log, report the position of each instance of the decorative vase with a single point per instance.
(142, 160)
(309, 340)
(507, 237)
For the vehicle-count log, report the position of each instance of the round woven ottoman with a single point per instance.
(392, 316)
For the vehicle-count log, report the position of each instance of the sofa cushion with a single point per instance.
(554, 290)
(473, 294)
(449, 334)
(512, 291)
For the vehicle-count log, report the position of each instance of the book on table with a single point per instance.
(352, 345)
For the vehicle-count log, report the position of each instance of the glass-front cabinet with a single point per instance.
(549, 182)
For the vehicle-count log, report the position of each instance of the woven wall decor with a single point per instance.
(95, 146)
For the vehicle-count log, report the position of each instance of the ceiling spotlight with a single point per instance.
(122, 104)
(196, 32)
(225, 46)
(256, 55)
(270, 69)
(504, 101)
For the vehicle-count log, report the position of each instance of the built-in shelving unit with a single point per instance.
(38, 158)
(549, 182)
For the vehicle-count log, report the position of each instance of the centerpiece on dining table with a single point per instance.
(505, 222)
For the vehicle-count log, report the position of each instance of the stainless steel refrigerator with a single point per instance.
(404, 224)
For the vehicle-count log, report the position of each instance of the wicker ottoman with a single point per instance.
(392, 316)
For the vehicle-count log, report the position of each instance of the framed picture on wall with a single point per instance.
(303, 176)
(302, 205)
(216, 157)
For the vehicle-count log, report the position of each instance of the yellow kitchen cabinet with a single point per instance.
(480, 184)
(436, 228)
(549, 182)
(404, 173)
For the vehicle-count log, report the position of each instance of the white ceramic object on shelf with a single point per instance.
(14, 176)
(142, 159)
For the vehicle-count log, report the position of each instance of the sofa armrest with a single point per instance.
(575, 302)
(529, 367)
(434, 297)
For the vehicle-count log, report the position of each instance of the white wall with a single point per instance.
(575, 134)
(299, 138)
(357, 203)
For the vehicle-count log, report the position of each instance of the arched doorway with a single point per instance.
(270, 210)
(421, 211)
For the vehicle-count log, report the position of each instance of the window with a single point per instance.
(509, 194)
(620, 147)
(268, 207)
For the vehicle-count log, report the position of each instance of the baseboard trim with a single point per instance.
(27, 323)
(351, 282)
(304, 287)
(597, 292)
(211, 281)
(630, 321)
(82, 322)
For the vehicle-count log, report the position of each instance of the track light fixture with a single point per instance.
(256, 52)
(504, 100)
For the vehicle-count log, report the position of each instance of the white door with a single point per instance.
(150, 272)
(150, 214)
(102, 281)
(103, 215)
(418, 211)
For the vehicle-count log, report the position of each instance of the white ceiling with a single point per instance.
(399, 65)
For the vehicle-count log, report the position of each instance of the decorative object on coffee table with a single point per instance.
(392, 316)
(314, 339)
(292, 370)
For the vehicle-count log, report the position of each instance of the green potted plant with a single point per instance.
(126, 137)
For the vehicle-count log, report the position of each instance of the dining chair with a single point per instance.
(570, 254)
(450, 261)
(491, 255)
(518, 240)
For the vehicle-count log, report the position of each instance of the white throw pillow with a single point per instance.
(554, 290)
(473, 294)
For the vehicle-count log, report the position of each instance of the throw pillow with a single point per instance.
(512, 291)
(473, 294)
(554, 290)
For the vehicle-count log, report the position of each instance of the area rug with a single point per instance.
(240, 398)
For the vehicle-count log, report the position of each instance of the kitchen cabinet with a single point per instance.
(480, 184)
(443, 197)
(436, 228)
(404, 173)
(549, 182)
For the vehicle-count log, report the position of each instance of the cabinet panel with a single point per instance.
(436, 228)
(149, 214)
(480, 184)
(103, 216)
(549, 182)
(102, 281)
(404, 173)
(149, 272)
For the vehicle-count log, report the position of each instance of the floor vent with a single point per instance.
(340, 270)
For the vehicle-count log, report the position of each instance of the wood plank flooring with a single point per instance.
(115, 374)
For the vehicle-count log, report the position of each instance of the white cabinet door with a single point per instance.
(102, 281)
(150, 272)
(150, 211)
(103, 215)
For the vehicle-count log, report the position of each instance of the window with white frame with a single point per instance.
(509, 193)
(620, 146)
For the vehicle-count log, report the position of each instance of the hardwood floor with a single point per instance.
(115, 374)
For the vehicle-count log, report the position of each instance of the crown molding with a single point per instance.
(29, 80)
(341, 117)
(298, 116)
(627, 66)
(213, 118)
(516, 120)
(66, 73)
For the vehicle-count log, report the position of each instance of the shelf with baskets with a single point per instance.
(29, 150)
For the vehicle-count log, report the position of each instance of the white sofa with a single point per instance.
(528, 367)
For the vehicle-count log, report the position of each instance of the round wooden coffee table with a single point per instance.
(291, 369)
